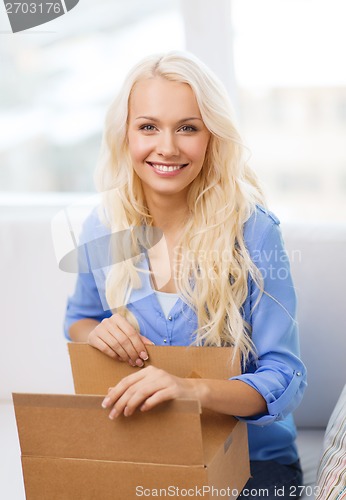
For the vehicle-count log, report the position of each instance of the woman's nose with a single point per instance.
(167, 145)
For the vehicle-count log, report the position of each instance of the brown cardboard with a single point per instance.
(71, 450)
(94, 373)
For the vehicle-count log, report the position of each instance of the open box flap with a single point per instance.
(94, 372)
(70, 426)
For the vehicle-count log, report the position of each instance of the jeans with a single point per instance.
(272, 481)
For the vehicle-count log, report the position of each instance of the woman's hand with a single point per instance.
(146, 389)
(117, 338)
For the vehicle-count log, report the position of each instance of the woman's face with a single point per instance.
(167, 138)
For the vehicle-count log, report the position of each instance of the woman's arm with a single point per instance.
(80, 330)
(152, 386)
(232, 397)
(278, 373)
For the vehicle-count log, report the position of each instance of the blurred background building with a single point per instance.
(281, 61)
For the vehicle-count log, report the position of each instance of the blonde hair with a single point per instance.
(220, 200)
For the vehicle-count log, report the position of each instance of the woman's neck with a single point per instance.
(168, 213)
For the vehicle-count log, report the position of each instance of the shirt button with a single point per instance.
(170, 318)
(298, 374)
(165, 340)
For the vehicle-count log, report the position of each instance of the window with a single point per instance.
(291, 86)
(288, 84)
(57, 81)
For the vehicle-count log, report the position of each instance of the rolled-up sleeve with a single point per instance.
(278, 374)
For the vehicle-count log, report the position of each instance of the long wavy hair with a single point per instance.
(213, 266)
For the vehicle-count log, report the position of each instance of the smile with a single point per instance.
(166, 168)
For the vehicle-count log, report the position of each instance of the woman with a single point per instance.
(174, 162)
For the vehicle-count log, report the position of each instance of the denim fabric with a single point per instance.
(272, 481)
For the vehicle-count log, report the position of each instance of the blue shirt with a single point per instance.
(278, 374)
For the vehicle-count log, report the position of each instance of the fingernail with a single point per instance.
(144, 355)
(139, 362)
(105, 402)
(113, 414)
(126, 412)
(131, 362)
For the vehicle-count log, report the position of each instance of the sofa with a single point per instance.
(33, 354)
(317, 252)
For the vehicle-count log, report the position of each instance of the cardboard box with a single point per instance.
(71, 450)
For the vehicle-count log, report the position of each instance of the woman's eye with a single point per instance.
(148, 128)
(188, 128)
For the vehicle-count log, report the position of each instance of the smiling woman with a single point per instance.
(173, 160)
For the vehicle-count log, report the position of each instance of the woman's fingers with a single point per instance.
(116, 337)
(156, 398)
(121, 344)
(130, 400)
(146, 341)
(123, 387)
(144, 389)
(111, 339)
(102, 346)
(143, 401)
(132, 335)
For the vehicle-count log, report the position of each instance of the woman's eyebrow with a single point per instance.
(152, 118)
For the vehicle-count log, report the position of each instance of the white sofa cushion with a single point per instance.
(317, 253)
(310, 444)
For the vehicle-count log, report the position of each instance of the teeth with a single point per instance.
(164, 168)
